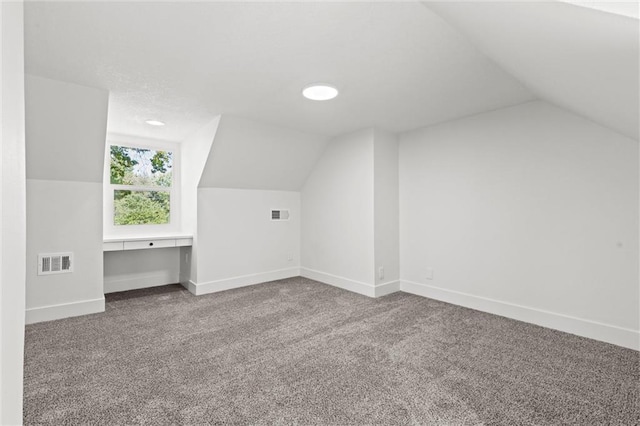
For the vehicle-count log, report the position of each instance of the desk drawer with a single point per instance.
(148, 244)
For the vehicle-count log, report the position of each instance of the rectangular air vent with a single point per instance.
(55, 263)
(279, 214)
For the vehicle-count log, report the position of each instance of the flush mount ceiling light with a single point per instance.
(319, 92)
(154, 123)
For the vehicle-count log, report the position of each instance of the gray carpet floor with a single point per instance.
(300, 352)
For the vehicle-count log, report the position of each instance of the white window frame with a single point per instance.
(173, 227)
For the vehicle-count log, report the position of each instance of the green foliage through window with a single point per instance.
(141, 207)
(121, 164)
(141, 168)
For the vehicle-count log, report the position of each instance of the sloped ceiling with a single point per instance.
(65, 130)
(582, 59)
(251, 155)
(398, 65)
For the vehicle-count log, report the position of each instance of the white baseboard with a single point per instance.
(351, 285)
(65, 310)
(189, 285)
(139, 281)
(620, 336)
(340, 282)
(387, 288)
(240, 281)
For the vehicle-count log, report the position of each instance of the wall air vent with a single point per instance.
(279, 214)
(55, 263)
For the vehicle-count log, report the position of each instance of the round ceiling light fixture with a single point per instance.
(319, 92)
(154, 123)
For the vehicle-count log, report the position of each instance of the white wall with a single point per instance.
(251, 168)
(195, 152)
(337, 215)
(239, 244)
(64, 216)
(529, 212)
(12, 213)
(65, 139)
(251, 155)
(386, 208)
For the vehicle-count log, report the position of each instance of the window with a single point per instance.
(140, 188)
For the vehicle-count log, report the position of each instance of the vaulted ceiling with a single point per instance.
(398, 66)
(582, 59)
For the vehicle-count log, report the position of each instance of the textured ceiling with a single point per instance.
(582, 59)
(399, 66)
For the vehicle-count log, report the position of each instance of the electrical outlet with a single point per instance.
(428, 273)
(290, 257)
(381, 273)
(186, 257)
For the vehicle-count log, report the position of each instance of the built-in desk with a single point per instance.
(142, 243)
(141, 268)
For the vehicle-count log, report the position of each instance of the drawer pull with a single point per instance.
(150, 244)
